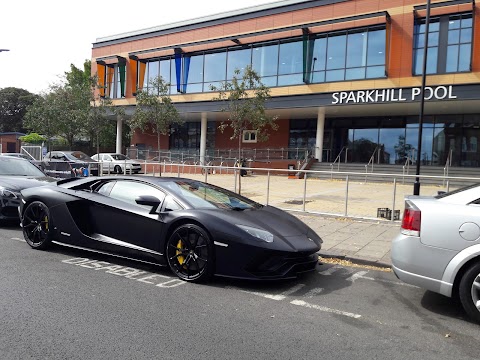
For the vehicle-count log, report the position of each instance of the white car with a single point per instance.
(439, 245)
(112, 163)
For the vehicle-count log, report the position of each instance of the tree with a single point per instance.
(155, 109)
(13, 107)
(33, 138)
(41, 117)
(245, 96)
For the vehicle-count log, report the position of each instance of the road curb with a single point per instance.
(356, 260)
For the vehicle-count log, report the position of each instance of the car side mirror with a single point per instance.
(149, 200)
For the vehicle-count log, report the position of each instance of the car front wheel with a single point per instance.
(189, 253)
(37, 225)
(118, 169)
(469, 291)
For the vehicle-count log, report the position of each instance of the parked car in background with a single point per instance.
(18, 155)
(79, 161)
(17, 174)
(112, 163)
(439, 245)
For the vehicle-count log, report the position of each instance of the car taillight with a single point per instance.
(411, 220)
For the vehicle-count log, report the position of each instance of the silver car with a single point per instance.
(117, 163)
(439, 245)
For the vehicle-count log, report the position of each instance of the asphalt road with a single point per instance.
(69, 304)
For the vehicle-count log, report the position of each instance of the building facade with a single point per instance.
(345, 77)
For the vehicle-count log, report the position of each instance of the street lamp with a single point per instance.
(416, 185)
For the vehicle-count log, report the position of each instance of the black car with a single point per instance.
(78, 164)
(195, 228)
(16, 174)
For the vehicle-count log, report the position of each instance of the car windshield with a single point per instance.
(202, 195)
(18, 167)
(119, 157)
(77, 155)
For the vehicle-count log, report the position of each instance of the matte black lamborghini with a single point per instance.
(195, 228)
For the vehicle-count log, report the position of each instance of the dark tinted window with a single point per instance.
(128, 191)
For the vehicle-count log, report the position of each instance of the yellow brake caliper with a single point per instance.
(46, 223)
(180, 259)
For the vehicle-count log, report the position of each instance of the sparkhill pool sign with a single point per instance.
(392, 95)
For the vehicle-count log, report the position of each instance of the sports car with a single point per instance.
(196, 229)
(16, 174)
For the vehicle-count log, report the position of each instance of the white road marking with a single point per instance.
(329, 271)
(389, 281)
(264, 295)
(293, 289)
(325, 309)
(18, 239)
(357, 275)
(313, 292)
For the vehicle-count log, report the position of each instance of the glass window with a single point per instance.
(336, 50)
(357, 50)
(454, 55)
(376, 47)
(319, 54)
(215, 67)
(165, 70)
(170, 204)
(290, 58)
(265, 60)
(238, 59)
(129, 191)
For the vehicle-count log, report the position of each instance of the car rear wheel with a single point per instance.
(118, 169)
(37, 225)
(469, 291)
(189, 253)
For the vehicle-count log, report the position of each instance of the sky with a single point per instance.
(44, 37)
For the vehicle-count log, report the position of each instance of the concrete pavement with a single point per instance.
(359, 236)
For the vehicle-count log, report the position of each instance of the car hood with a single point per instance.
(273, 220)
(22, 182)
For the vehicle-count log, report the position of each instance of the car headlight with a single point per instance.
(9, 194)
(258, 233)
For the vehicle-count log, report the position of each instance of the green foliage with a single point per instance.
(13, 106)
(245, 96)
(155, 109)
(33, 138)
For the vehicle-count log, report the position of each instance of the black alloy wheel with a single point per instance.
(118, 169)
(37, 225)
(189, 253)
(469, 291)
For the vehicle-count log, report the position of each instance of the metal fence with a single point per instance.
(32, 151)
(220, 155)
(306, 191)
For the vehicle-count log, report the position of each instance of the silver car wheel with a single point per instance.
(476, 292)
(469, 290)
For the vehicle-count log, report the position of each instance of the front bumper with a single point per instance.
(9, 208)
(258, 263)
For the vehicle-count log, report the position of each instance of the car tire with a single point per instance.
(469, 291)
(189, 253)
(37, 225)
(118, 169)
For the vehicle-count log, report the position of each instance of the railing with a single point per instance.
(339, 157)
(33, 151)
(406, 167)
(305, 198)
(265, 154)
(448, 164)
